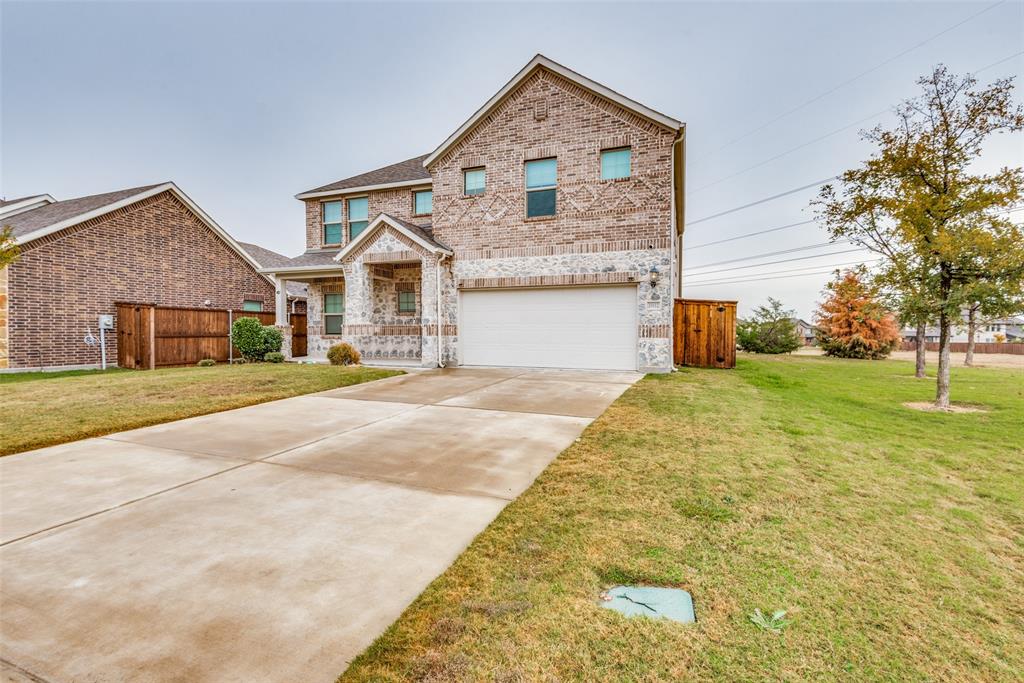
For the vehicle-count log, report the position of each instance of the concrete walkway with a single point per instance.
(269, 543)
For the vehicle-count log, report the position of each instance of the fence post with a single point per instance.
(231, 341)
(152, 337)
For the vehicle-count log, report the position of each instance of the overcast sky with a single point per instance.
(244, 104)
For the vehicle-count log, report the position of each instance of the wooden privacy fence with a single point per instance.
(704, 333)
(961, 347)
(151, 336)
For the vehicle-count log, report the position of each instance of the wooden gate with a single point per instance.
(704, 333)
(298, 321)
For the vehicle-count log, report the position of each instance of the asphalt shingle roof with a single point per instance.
(410, 169)
(51, 214)
(271, 259)
(5, 202)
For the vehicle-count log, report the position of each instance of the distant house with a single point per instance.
(807, 331)
(989, 331)
(297, 291)
(79, 256)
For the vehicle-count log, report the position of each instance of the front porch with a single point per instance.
(377, 294)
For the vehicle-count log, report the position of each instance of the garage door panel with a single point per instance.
(580, 327)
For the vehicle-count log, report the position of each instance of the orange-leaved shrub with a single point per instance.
(852, 323)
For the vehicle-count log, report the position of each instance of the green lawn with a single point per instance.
(894, 538)
(42, 409)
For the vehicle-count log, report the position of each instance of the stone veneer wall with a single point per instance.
(654, 303)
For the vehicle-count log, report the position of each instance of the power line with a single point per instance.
(756, 279)
(773, 253)
(762, 201)
(858, 77)
(787, 270)
(785, 260)
(749, 234)
(828, 135)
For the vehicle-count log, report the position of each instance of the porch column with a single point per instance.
(281, 301)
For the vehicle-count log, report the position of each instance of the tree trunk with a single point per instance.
(921, 347)
(942, 384)
(972, 326)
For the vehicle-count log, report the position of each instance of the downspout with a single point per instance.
(437, 297)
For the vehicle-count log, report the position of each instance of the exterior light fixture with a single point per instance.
(655, 274)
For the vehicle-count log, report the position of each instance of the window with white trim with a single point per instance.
(541, 182)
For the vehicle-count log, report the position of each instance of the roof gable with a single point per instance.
(542, 62)
(413, 232)
(53, 218)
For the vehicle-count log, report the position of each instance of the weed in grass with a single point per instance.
(774, 623)
(703, 508)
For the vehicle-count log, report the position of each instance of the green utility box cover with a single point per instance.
(656, 603)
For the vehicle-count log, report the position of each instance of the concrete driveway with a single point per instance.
(269, 543)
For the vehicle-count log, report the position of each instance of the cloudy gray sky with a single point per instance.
(244, 104)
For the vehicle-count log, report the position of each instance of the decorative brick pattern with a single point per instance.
(392, 257)
(566, 280)
(654, 331)
(383, 330)
(560, 249)
(154, 250)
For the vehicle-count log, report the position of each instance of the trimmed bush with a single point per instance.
(343, 354)
(274, 357)
(206, 363)
(247, 334)
(272, 339)
(255, 340)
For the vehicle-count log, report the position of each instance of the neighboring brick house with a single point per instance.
(146, 244)
(550, 222)
(269, 259)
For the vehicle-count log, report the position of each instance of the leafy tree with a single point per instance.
(989, 302)
(940, 227)
(9, 250)
(769, 330)
(852, 323)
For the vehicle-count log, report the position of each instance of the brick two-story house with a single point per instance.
(544, 232)
(79, 256)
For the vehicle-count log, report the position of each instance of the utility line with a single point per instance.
(785, 260)
(762, 201)
(772, 253)
(828, 135)
(788, 270)
(756, 279)
(749, 234)
(858, 76)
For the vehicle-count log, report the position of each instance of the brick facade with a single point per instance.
(153, 251)
(604, 232)
(397, 202)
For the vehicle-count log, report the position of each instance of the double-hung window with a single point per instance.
(541, 179)
(474, 181)
(334, 313)
(357, 216)
(615, 163)
(422, 202)
(332, 222)
(407, 302)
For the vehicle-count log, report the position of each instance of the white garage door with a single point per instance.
(577, 327)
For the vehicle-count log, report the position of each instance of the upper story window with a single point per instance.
(474, 181)
(615, 163)
(332, 222)
(334, 313)
(357, 216)
(541, 179)
(423, 202)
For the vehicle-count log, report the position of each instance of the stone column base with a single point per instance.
(286, 340)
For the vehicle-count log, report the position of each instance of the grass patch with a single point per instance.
(46, 408)
(892, 539)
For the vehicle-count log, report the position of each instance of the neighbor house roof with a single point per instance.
(408, 172)
(18, 200)
(59, 215)
(542, 62)
(270, 259)
(26, 224)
